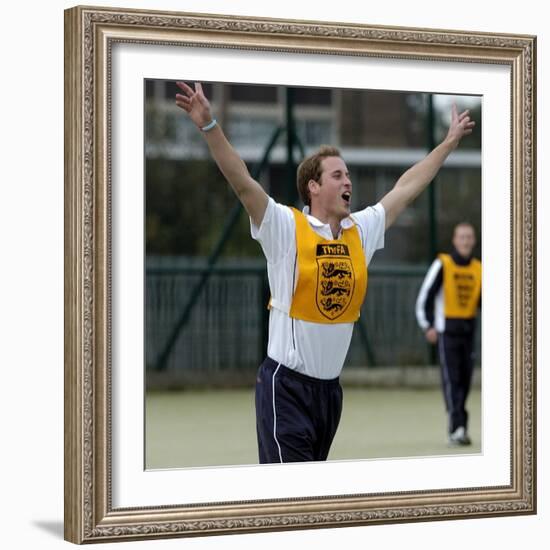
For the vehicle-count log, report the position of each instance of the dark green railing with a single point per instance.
(227, 327)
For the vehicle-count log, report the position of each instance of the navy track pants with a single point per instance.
(456, 358)
(296, 415)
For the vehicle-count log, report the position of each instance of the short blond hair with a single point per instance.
(311, 169)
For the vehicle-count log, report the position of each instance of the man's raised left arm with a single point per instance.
(417, 178)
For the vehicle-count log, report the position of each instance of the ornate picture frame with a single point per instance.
(90, 34)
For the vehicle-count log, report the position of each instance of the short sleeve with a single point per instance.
(276, 232)
(372, 225)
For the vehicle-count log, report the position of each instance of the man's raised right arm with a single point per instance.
(249, 191)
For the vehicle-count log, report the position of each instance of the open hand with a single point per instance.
(194, 103)
(461, 125)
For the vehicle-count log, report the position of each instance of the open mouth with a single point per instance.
(346, 196)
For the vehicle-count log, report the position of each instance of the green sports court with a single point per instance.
(217, 427)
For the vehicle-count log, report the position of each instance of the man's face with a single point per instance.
(464, 240)
(333, 195)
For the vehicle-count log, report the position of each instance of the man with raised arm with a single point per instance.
(317, 263)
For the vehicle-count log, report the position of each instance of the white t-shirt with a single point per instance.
(315, 349)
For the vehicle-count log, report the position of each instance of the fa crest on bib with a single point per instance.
(331, 275)
(335, 280)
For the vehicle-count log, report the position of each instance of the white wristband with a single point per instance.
(210, 125)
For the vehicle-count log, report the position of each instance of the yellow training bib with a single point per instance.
(332, 275)
(461, 287)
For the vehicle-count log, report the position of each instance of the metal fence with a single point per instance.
(227, 328)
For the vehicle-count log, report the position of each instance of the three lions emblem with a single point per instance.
(335, 280)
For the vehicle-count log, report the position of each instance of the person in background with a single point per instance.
(446, 310)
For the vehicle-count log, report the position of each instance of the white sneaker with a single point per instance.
(459, 437)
